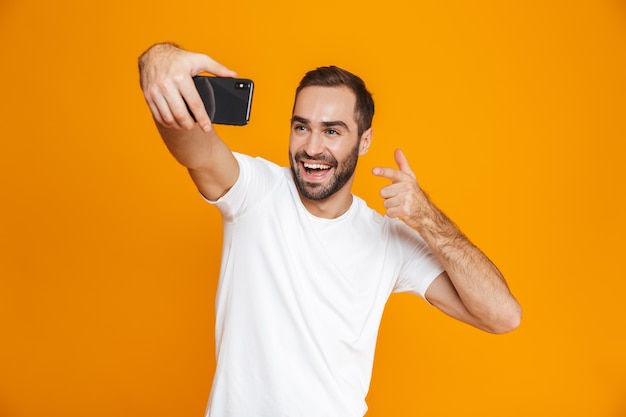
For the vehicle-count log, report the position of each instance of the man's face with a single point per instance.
(324, 145)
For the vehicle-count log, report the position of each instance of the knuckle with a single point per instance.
(180, 115)
(179, 78)
(187, 124)
(168, 120)
(150, 92)
(161, 84)
(195, 106)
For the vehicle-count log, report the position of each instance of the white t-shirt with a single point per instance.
(300, 298)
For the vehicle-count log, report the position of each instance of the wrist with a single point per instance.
(430, 220)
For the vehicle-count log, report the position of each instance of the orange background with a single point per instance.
(512, 115)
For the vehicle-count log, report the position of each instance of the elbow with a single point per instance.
(506, 320)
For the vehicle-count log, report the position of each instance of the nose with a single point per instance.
(315, 144)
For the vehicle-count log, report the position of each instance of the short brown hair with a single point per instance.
(332, 76)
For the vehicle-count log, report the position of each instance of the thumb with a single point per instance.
(403, 163)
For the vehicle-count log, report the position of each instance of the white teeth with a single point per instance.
(316, 166)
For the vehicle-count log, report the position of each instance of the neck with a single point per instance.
(332, 207)
(326, 209)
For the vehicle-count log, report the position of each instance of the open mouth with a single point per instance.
(316, 170)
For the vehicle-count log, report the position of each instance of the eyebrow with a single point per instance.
(332, 123)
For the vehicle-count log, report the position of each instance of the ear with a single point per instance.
(366, 141)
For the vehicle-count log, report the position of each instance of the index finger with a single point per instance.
(392, 174)
(195, 105)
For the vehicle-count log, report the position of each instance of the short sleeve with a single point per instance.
(420, 266)
(257, 178)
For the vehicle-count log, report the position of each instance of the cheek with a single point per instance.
(295, 146)
(296, 142)
(342, 149)
(293, 143)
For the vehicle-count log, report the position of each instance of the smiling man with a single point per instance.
(307, 267)
(324, 131)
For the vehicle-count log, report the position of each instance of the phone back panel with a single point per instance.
(226, 100)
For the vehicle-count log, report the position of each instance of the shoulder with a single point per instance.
(393, 230)
(258, 181)
(259, 173)
(369, 220)
(253, 163)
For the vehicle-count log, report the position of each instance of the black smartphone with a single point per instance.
(227, 100)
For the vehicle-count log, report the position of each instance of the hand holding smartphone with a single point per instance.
(227, 101)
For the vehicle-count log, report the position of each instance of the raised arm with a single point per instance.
(166, 73)
(471, 289)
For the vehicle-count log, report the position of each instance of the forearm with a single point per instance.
(191, 148)
(479, 284)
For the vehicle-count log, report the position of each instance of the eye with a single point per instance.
(299, 127)
(332, 132)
